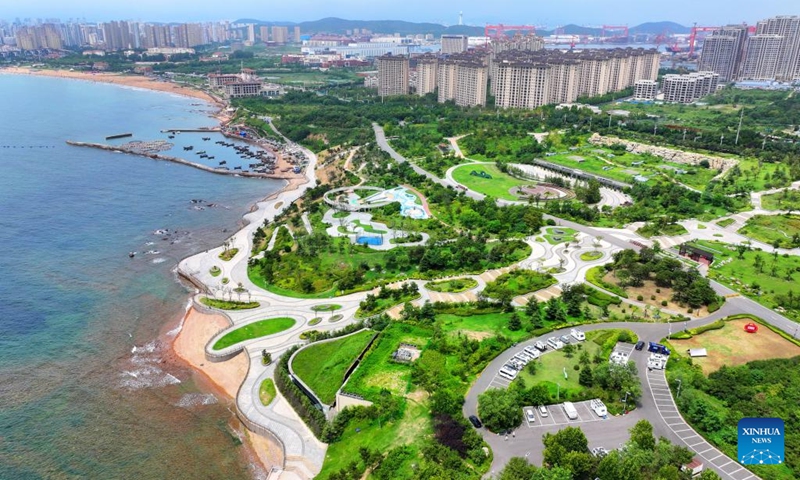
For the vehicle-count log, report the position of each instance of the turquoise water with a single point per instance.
(86, 390)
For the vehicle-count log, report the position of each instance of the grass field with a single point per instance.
(590, 163)
(518, 282)
(328, 307)
(228, 305)
(591, 256)
(551, 370)
(760, 283)
(322, 366)
(498, 186)
(381, 436)
(266, 392)
(553, 238)
(455, 285)
(378, 371)
(258, 329)
(725, 222)
(773, 228)
(228, 254)
(731, 346)
(481, 326)
(650, 230)
(786, 200)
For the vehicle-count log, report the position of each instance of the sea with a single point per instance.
(89, 387)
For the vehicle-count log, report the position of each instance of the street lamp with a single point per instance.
(625, 401)
(679, 386)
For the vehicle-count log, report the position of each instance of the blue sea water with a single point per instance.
(86, 391)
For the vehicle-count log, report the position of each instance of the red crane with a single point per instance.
(614, 28)
(693, 36)
(496, 31)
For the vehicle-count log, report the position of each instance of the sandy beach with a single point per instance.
(135, 81)
(189, 345)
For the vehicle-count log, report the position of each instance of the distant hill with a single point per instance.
(657, 28)
(341, 25)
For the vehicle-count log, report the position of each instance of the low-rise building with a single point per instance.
(689, 88)
(645, 89)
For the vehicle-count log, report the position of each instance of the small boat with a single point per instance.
(223, 162)
(171, 136)
(188, 148)
(237, 168)
(204, 156)
(210, 157)
(205, 139)
(131, 254)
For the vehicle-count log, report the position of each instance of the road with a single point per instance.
(666, 421)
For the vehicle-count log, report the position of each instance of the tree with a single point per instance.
(514, 323)
(499, 410)
(569, 350)
(558, 445)
(585, 377)
(642, 435)
(741, 249)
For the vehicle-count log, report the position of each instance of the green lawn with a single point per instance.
(228, 305)
(773, 228)
(322, 366)
(482, 325)
(591, 256)
(328, 307)
(368, 227)
(725, 222)
(785, 200)
(771, 290)
(412, 429)
(498, 186)
(228, 254)
(554, 238)
(551, 371)
(650, 230)
(454, 285)
(378, 371)
(266, 392)
(518, 282)
(592, 164)
(259, 329)
(383, 304)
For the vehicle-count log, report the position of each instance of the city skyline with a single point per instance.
(582, 12)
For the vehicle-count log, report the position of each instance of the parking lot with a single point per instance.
(556, 415)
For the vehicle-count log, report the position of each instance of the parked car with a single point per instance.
(540, 345)
(530, 415)
(554, 343)
(542, 410)
(599, 407)
(521, 356)
(508, 373)
(565, 339)
(599, 452)
(639, 345)
(475, 422)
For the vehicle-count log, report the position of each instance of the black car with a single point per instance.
(639, 345)
(475, 422)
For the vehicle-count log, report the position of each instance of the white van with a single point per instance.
(532, 352)
(522, 357)
(555, 343)
(570, 410)
(599, 407)
(577, 334)
(508, 373)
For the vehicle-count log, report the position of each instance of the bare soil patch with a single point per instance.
(731, 345)
(649, 290)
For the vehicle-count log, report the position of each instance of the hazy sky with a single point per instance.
(476, 12)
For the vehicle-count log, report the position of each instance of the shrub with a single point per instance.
(639, 297)
(663, 303)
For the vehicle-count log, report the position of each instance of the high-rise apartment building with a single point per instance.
(296, 34)
(392, 75)
(723, 51)
(773, 53)
(427, 74)
(528, 79)
(263, 33)
(689, 88)
(280, 34)
(454, 44)
(463, 78)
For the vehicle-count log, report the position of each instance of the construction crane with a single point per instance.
(499, 30)
(614, 28)
(693, 36)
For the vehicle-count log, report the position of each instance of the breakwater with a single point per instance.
(158, 156)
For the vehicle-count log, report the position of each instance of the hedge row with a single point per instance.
(311, 415)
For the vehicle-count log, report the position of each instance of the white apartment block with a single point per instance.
(393, 75)
(723, 51)
(463, 78)
(773, 53)
(427, 74)
(645, 89)
(689, 88)
(454, 44)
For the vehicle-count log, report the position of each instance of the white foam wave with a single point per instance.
(191, 400)
(159, 260)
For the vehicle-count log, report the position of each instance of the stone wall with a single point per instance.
(669, 154)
